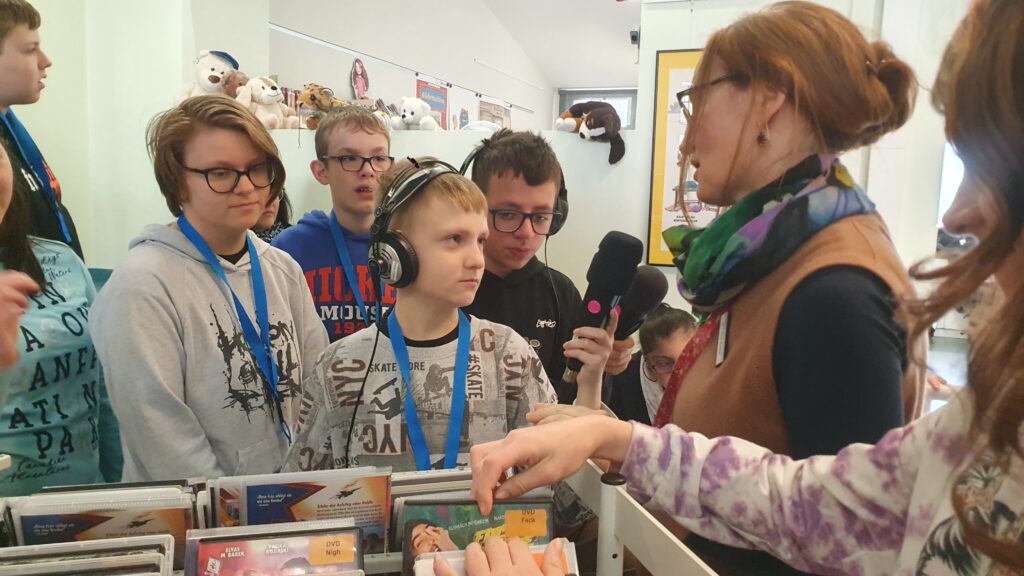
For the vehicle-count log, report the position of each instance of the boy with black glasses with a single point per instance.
(352, 151)
(521, 178)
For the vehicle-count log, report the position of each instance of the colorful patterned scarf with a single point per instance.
(762, 230)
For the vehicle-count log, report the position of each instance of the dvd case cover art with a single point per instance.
(320, 553)
(366, 500)
(444, 526)
(103, 524)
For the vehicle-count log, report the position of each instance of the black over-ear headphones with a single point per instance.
(561, 201)
(392, 258)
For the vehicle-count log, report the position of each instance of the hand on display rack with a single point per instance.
(622, 354)
(550, 413)
(592, 346)
(550, 453)
(500, 558)
(15, 289)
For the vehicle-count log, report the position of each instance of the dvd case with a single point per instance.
(424, 565)
(162, 544)
(448, 525)
(94, 515)
(306, 547)
(129, 565)
(360, 493)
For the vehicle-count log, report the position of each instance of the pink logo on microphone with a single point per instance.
(594, 307)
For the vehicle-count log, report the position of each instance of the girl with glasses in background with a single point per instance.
(205, 331)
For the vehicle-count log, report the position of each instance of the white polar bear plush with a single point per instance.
(264, 99)
(415, 116)
(211, 67)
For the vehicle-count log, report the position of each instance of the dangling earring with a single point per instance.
(763, 136)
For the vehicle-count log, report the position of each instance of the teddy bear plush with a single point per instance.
(210, 69)
(319, 100)
(262, 96)
(597, 121)
(233, 81)
(415, 116)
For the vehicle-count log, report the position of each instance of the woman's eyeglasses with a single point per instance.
(686, 103)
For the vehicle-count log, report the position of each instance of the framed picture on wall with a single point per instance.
(673, 195)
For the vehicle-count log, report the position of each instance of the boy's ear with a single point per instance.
(319, 170)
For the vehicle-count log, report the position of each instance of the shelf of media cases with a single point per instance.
(623, 522)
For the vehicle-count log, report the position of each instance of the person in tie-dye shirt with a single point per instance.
(943, 495)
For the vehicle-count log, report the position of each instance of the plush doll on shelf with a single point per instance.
(596, 121)
(319, 100)
(262, 96)
(210, 69)
(233, 81)
(415, 116)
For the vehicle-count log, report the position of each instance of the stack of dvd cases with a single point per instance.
(150, 555)
(315, 547)
(363, 494)
(96, 514)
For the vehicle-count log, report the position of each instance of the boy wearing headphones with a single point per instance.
(527, 201)
(352, 151)
(417, 390)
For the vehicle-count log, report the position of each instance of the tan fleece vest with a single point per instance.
(738, 398)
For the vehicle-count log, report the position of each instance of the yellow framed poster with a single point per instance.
(672, 196)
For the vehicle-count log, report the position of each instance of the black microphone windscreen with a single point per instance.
(617, 251)
(648, 289)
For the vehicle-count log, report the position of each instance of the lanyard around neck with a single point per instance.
(341, 246)
(259, 342)
(458, 407)
(31, 155)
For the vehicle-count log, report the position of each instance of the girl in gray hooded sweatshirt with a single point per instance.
(205, 331)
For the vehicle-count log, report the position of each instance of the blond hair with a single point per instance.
(354, 118)
(169, 132)
(454, 188)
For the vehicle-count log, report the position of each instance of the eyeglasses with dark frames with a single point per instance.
(686, 103)
(354, 163)
(225, 180)
(657, 366)
(509, 221)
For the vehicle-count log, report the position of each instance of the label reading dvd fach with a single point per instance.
(102, 524)
(366, 500)
(319, 554)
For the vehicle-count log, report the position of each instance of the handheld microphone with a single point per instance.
(608, 278)
(647, 291)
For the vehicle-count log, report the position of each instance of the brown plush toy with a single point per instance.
(596, 121)
(320, 101)
(234, 80)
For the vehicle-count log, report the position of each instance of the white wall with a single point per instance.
(456, 41)
(238, 27)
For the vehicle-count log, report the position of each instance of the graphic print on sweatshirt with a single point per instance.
(244, 383)
(979, 488)
(336, 303)
(503, 379)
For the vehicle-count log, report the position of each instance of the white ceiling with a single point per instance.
(575, 43)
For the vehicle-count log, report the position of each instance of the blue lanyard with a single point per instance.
(259, 342)
(350, 271)
(412, 421)
(34, 158)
